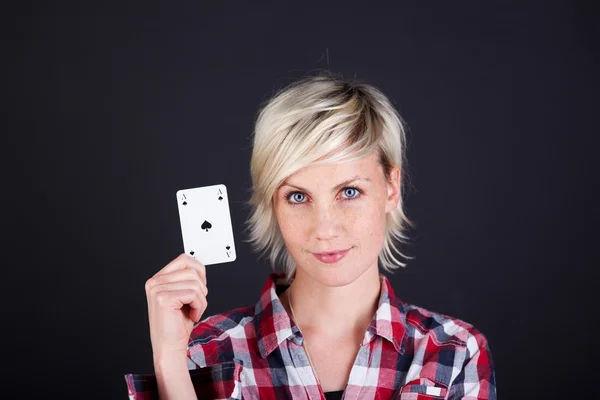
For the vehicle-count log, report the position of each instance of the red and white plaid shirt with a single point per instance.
(407, 353)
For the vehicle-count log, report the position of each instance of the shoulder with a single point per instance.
(452, 354)
(211, 328)
(218, 338)
(441, 329)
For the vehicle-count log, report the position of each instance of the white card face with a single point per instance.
(206, 224)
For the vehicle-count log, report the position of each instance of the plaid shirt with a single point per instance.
(407, 353)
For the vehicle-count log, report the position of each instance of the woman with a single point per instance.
(327, 171)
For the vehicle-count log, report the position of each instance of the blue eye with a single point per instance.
(350, 189)
(351, 193)
(295, 196)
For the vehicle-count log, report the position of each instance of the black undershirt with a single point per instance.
(334, 395)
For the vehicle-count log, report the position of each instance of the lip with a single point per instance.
(331, 257)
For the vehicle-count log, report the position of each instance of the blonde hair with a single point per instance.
(316, 120)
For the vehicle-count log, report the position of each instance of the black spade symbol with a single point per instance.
(227, 247)
(220, 198)
(192, 252)
(206, 226)
(185, 203)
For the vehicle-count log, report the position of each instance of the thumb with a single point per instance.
(195, 315)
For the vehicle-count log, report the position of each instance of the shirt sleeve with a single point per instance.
(141, 386)
(216, 381)
(476, 380)
(144, 387)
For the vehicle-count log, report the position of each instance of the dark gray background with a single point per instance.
(112, 108)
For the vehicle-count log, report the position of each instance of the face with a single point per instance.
(336, 207)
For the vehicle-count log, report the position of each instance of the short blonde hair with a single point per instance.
(316, 120)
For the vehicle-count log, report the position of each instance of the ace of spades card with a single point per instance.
(206, 224)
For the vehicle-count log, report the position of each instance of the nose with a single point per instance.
(327, 222)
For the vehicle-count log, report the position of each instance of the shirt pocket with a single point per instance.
(219, 381)
(422, 389)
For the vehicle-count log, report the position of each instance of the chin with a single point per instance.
(336, 276)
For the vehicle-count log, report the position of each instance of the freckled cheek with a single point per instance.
(369, 229)
(370, 221)
(292, 226)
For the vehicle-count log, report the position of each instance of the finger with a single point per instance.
(175, 300)
(184, 261)
(197, 307)
(186, 274)
(195, 285)
(196, 313)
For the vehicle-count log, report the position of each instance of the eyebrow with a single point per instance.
(339, 186)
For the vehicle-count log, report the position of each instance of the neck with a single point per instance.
(335, 312)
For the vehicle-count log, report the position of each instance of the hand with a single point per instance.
(176, 300)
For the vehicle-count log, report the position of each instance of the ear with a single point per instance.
(393, 190)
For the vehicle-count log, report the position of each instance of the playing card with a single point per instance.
(206, 224)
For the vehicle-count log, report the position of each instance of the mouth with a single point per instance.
(330, 257)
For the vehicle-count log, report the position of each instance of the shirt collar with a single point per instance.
(273, 325)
